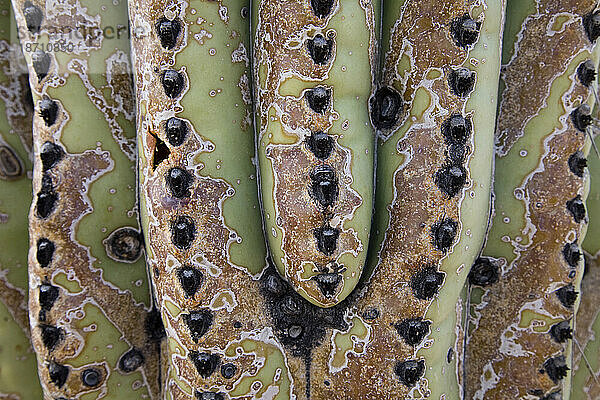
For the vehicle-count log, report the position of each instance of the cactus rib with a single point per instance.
(519, 338)
(315, 142)
(199, 197)
(87, 311)
(17, 359)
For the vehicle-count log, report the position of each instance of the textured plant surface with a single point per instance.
(88, 296)
(276, 271)
(521, 323)
(18, 372)
(199, 197)
(433, 184)
(315, 142)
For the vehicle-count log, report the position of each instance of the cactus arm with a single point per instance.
(516, 346)
(314, 66)
(17, 359)
(88, 294)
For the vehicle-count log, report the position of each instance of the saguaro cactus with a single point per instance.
(88, 296)
(519, 344)
(325, 289)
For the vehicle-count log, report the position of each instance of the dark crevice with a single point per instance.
(161, 152)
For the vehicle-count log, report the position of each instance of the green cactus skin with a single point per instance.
(18, 366)
(420, 54)
(509, 349)
(285, 72)
(587, 321)
(102, 307)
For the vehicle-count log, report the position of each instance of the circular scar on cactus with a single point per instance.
(11, 166)
(124, 245)
(228, 370)
(91, 377)
(484, 272)
(131, 360)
